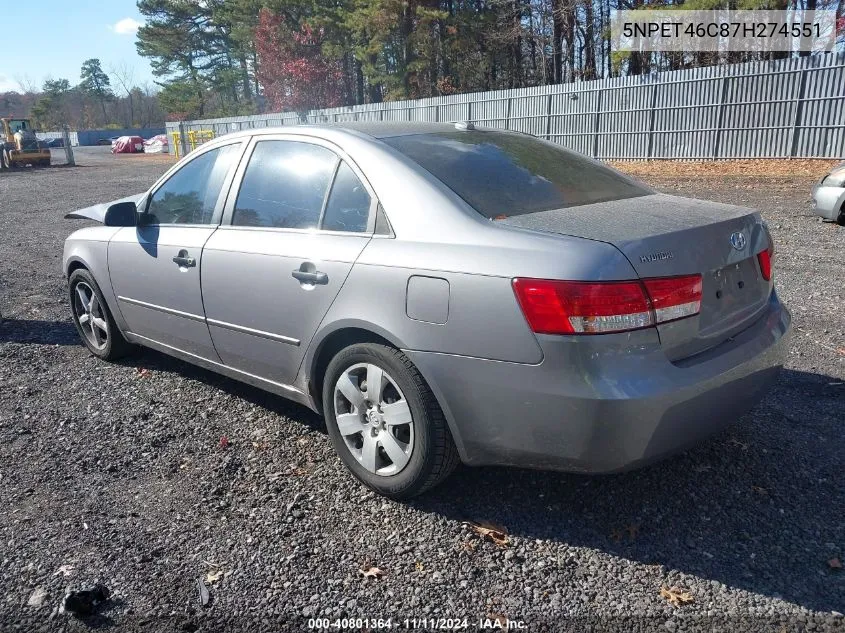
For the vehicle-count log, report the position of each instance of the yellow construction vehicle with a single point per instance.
(20, 146)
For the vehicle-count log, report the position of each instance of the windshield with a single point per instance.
(16, 125)
(507, 174)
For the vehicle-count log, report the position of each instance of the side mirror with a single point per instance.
(121, 214)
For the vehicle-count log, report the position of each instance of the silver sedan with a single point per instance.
(441, 293)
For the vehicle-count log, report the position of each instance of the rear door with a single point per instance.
(155, 267)
(301, 217)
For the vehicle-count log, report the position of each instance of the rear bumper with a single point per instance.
(828, 202)
(603, 404)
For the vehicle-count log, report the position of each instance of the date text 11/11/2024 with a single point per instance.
(491, 623)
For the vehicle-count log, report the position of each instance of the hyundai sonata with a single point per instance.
(441, 293)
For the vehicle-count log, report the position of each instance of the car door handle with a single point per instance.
(183, 259)
(308, 277)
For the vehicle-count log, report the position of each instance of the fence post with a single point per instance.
(68, 147)
(183, 138)
(549, 118)
(651, 115)
(596, 123)
(469, 111)
(723, 97)
(799, 113)
(437, 113)
(508, 114)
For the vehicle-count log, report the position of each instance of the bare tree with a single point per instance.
(124, 77)
(27, 84)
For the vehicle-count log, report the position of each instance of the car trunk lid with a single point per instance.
(663, 236)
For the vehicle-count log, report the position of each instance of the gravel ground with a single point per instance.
(115, 474)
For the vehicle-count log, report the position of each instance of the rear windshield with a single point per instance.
(499, 173)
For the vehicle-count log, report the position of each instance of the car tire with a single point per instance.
(841, 219)
(93, 319)
(431, 454)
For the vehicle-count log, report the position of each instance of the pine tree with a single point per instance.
(95, 83)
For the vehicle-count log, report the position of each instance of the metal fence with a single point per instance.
(51, 136)
(779, 109)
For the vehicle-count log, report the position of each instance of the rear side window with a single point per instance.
(348, 208)
(285, 185)
(512, 174)
(190, 195)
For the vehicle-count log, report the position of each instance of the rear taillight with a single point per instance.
(765, 258)
(674, 297)
(580, 307)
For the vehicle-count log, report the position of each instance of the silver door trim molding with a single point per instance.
(288, 391)
(228, 326)
(248, 330)
(158, 308)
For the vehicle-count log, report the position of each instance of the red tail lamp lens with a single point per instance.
(765, 258)
(578, 307)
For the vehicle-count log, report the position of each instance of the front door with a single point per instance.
(155, 267)
(300, 220)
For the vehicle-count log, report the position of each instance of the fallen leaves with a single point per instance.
(497, 621)
(632, 531)
(834, 563)
(760, 490)
(495, 533)
(371, 572)
(213, 576)
(224, 442)
(810, 168)
(676, 596)
(142, 372)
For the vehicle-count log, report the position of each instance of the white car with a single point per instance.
(829, 195)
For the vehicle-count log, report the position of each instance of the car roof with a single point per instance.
(385, 129)
(372, 129)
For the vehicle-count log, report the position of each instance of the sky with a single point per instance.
(67, 33)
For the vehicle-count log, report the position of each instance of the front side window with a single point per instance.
(348, 208)
(499, 173)
(190, 195)
(285, 185)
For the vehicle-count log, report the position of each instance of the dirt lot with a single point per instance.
(115, 474)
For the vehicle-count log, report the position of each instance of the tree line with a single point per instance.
(224, 57)
(232, 57)
(100, 100)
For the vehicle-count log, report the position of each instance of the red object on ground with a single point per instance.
(128, 145)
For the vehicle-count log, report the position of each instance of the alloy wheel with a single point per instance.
(91, 316)
(374, 419)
